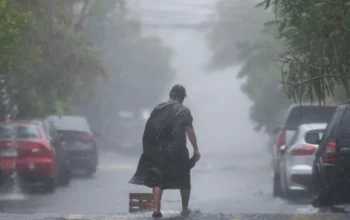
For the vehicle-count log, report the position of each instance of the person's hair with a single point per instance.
(178, 91)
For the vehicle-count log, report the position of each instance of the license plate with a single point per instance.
(8, 164)
(78, 145)
(31, 166)
(10, 152)
(310, 161)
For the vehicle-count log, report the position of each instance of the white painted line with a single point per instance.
(116, 166)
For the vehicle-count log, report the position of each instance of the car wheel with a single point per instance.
(50, 185)
(320, 196)
(286, 191)
(277, 191)
(65, 177)
(91, 170)
(92, 167)
(66, 173)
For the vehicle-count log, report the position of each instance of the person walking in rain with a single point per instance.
(165, 163)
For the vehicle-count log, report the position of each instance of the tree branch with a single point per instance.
(314, 78)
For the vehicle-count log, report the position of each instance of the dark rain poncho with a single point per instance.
(165, 159)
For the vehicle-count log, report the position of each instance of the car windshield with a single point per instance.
(70, 123)
(23, 131)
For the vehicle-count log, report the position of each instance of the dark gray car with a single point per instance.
(79, 141)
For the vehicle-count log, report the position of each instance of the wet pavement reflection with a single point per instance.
(226, 184)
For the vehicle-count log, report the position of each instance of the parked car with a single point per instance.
(79, 141)
(331, 167)
(297, 159)
(26, 151)
(294, 116)
(64, 167)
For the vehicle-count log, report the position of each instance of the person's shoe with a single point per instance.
(157, 215)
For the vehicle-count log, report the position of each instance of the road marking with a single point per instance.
(91, 217)
(313, 217)
(116, 166)
(75, 217)
(259, 169)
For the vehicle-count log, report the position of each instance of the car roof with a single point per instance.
(65, 117)
(312, 126)
(298, 114)
(18, 122)
(68, 122)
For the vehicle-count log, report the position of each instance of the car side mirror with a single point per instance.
(313, 138)
(283, 149)
(56, 140)
(97, 134)
(275, 130)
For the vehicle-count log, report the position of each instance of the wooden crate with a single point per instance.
(140, 202)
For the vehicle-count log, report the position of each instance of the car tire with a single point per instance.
(286, 191)
(50, 185)
(65, 177)
(277, 191)
(320, 197)
(66, 173)
(91, 170)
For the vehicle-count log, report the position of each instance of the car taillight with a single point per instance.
(82, 136)
(281, 139)
(303, 150)
(330, 154)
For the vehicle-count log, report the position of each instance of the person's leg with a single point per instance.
(157, 196)
(185, 198)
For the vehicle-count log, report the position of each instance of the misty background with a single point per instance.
(219, 108)
(113, 61)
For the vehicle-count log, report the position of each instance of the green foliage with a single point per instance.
(51, 61)
(236, 21)
(139, 72)
(13, 23)
(54, 52)
(318, 55)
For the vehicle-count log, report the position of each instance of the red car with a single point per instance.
(25, 149)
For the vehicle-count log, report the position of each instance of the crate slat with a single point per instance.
(144, 196)
(140, 202)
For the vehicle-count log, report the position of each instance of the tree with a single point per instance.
(262, 81)
(53, 59)
(139, 72)
(240, 37)
(236, 21)
(316, 33)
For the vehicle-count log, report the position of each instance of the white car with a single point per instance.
(297, 159)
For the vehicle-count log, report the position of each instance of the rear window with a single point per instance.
(22, 131)
(307, 115)
(320, 133)
(70, 123)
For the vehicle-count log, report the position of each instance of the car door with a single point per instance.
(286, 155)
(56, 142)
(343, 140)
(330, 134)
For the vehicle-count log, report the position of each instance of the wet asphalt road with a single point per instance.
(222, 185)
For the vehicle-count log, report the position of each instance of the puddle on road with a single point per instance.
(308, 210)
(12, 197)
